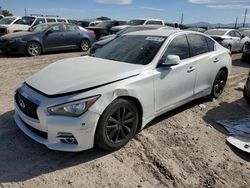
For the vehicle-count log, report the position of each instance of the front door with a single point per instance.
(176, 83)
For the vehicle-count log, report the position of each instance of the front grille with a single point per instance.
(26, 106)
(3, 31)
(36, 131)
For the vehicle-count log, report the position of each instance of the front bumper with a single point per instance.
(14, 47)
(48, 129)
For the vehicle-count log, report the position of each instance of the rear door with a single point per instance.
(72, 35)
(54, 38)
(204, 54)
(174, 84)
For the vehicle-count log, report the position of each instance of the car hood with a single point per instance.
(81, 73)
(17, 34)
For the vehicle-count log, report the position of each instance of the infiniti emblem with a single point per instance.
(22, 104)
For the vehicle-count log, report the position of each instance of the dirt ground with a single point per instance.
(183, 148)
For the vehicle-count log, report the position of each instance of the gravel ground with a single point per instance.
(182, 148)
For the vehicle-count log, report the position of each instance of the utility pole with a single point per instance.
(1, 10)
(182, 17)
(25, 12)
(236, 22)
(244, 23)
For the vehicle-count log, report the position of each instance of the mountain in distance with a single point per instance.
(206, 24)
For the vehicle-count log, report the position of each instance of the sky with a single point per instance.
(212, 11)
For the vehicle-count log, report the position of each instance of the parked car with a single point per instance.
(102, 28)
(246, 53)
(136, 22)
(246, 33)
(246, 91)
(229, 38)
(9, 25)
(106, 39)
(104, 100)
(241, 29)
(48, 37)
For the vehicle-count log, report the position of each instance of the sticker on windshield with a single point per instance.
(156, 39)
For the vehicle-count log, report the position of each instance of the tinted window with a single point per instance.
(133, 49)
(51, 20)
(136, 22)
(154, 23)
(39, 21)
(61, 20)
(71, 27)
(198, 44)
(26, 20)
(210, 44)
(178, 46)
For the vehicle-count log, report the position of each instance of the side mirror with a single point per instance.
(48, 32)
(171, 60)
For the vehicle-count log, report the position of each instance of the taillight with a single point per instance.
(91, 32)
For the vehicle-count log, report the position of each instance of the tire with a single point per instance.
(85, 45)
(246, 96)
(33, 49)
(219, 84)
(117, 125)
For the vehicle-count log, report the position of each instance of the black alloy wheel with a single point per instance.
(117, 125)
(219, 84)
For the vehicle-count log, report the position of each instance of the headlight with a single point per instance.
(74, 108)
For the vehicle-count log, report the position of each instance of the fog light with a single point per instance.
(67, 138)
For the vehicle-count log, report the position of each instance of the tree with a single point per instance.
(6, 13)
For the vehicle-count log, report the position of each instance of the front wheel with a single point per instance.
(117, 125)
(33, 49)
(85, 45)
(219, 84)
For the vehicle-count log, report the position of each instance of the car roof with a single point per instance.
(163, 33)
(221, 29)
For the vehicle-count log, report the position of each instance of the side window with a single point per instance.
(198, 44)
(232, 34)
(39, 21)
(178, 46)
(56, 28)
(151, 22)
(210, 44)
(71, 27)
(51, 20)
(61, 20)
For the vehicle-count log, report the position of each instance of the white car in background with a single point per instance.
(137, 22)
(9, 25)
(229, 38)
(75, 103)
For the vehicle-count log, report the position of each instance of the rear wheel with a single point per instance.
(85, 45)
(117, 125)
(219, 84)
(33, 49)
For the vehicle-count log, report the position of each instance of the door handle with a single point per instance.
(191, 69)
(216, 60)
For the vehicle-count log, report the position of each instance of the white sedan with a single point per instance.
(105, 99)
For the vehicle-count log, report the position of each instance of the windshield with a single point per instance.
(136, 22)
(7, 20)
(26, 21)
(131, 49)
(40, 28)
(215, 32)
